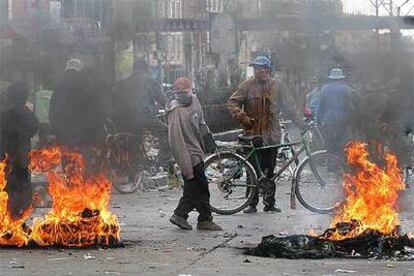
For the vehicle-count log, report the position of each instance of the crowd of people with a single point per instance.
(80, 104)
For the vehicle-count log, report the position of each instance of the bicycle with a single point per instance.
(314, 138)
(234, 181)
(119, 157)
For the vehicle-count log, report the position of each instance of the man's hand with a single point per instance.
(247, 122)
(189, 176)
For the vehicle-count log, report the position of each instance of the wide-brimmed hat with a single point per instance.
(336, 74)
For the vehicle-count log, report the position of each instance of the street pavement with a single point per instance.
(155, 247)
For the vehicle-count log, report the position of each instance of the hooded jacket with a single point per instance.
(256, 106)
(186, 127)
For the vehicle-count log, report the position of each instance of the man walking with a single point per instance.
(186, 127)
(256, 106)
(335, 108)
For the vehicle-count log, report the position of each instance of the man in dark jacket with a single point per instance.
(76, 109)
(335, 108)
(135, 98)
(256, 106)
(135, 109)
(18, 126)
(186, 127)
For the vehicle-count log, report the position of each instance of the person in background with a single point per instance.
(256, 105)
(76, 110)
(135, 98)
(18, 126)
(186, 127)
(135, 107)
(334, 112)
(312, 101)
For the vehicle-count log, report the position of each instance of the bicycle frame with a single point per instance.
(254, 150)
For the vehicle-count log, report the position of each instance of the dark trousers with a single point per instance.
(19, 190)
(267, 159)
(335, 137)
(195, 196)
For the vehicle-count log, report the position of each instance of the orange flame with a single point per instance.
(372, 194)
(80, 213)
(12, 231)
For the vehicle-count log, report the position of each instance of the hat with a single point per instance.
(336, 74)
(261, 61)
(182, 84)
(74, 64)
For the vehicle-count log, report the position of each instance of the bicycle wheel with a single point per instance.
(232, 180)
(319, 180)
(127, 183)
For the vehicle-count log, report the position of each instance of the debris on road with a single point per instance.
(344, 271)
(89, 257)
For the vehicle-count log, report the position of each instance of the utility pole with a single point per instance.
(377, 30)
(158, 44)
(395, 31)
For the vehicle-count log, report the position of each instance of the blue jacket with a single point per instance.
(312, 101)
(335, 104)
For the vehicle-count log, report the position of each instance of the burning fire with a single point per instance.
(79, 216)
(366, 225)
(12, 231)
(372, 194)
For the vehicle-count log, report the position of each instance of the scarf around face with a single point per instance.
(184, 98)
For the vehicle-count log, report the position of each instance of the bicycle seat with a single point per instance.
(257, 140)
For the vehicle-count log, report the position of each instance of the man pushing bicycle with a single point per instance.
(256, 105)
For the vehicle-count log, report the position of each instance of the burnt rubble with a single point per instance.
(368, 244)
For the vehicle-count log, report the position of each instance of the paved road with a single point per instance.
(155, 247)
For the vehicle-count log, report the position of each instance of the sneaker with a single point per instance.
(250, 210)
(271, 209)
(208, 226)
(180, 222)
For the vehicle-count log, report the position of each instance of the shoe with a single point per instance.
(180, 222)
(250, 210)
(208, 226)
(271, 209)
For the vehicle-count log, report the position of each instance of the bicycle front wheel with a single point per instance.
(232, 182)
(319, 182)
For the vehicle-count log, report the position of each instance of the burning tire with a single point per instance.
(318, 182)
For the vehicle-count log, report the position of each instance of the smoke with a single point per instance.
(379, 66)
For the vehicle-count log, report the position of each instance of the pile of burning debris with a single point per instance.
(79, 216)
(369, 244)
(367, 223)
